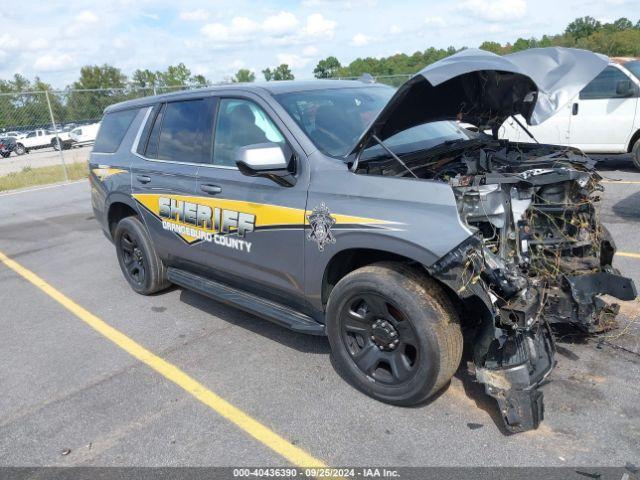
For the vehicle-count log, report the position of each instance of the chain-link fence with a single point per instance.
(50, 132)
(46, 136)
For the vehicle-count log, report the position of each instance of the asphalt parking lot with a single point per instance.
(70, 396)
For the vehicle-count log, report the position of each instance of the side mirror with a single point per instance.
(268, 160)
(624, 88)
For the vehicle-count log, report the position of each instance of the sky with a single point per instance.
(215, 38)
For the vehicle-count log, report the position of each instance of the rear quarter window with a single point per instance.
(112, 130)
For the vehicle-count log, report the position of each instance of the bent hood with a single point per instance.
(484, 89)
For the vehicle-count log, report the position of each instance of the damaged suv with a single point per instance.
(370, 215)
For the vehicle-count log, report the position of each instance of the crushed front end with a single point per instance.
(539, 256)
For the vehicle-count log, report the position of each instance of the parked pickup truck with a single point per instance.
(603, 118)
(84, 135)
(41, 139)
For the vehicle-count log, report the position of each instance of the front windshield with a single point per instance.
(335, 118)
(420, 137)
(633, 67)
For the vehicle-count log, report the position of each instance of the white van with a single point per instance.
(603, 118)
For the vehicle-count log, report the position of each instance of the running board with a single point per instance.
(248, 302)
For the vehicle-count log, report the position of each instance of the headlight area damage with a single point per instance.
(538, 254)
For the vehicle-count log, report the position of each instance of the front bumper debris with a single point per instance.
(514, 367)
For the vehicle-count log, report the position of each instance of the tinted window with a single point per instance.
(185, 132)
(334, 119)
(112, 130)
(152, 144)
(241, 123)
(633, 67)
(604, 85)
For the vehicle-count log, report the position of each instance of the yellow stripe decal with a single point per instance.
(267, 215)
(254, 428)
(628, 254)
(104, 172)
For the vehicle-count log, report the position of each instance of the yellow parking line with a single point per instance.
(622, 182)
(260, 432)
(628, 254)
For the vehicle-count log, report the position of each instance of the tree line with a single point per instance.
(101, 85)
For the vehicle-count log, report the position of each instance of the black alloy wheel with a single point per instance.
(379, 339)
(139, 262)
(394, 332)
(133, 258)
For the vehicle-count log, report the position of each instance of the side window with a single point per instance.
(152, 144)
(604, 85)
(241, 123)
(184, 132)
(112, 130)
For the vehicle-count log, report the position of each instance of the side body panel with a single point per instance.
(268, 260)
(417, 219)
(110, 175)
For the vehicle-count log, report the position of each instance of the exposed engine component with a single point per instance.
(539, 255)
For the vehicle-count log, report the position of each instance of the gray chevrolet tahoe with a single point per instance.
(396, 223)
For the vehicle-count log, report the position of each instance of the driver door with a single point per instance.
(260, 224)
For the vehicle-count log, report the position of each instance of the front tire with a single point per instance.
(139, 262)
(394, 333)
(636, 154)
(20, 150)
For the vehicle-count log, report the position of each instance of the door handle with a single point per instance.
(143, 178)
(211, 189)
(574, 109)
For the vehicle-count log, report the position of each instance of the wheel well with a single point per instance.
(118, 211)
(349, 260)
(634, 139)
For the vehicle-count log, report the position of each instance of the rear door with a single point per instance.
(174, 143)
(259, 239)
(602, 117)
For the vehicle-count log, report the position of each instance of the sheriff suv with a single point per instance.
(351, 210)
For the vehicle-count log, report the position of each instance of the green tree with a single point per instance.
(327, 68)
(281, 72)
(622, 24)
(144, 78)
(198, 81)
(175, 76)
(583, 27)
(494, 47)
(103, 85)
(244, 75)
(100, 76)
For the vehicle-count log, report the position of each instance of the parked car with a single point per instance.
(7, 145)
(14, 134)
(84, 135)
(41, 138)
(603, 118)
(350, 210)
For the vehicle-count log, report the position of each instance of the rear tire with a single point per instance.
(636, 154)
(394, 333)
(20, 150)
(139, 262)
